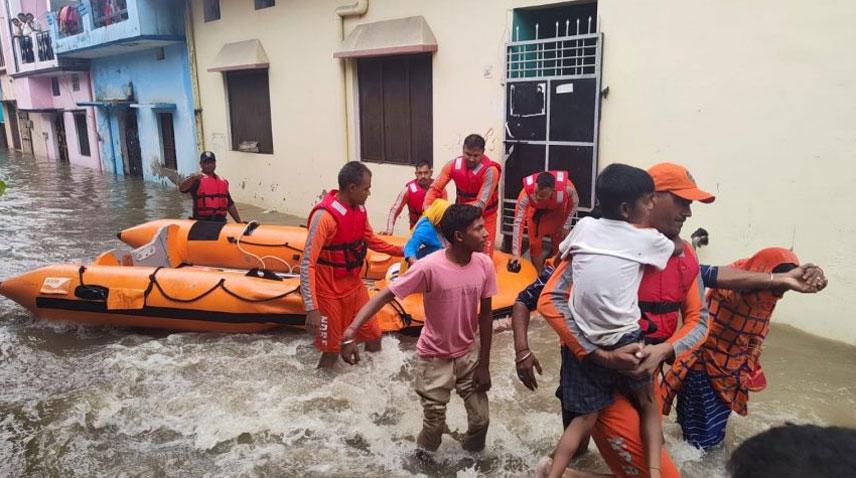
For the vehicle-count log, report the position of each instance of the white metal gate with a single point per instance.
(552, 109)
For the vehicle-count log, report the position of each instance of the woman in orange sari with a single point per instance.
(717, 378)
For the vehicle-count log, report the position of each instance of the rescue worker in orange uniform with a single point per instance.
(476, 180)
(617, 431)
(210, 192)
(338, 239)
(545, 207)
(412, 196)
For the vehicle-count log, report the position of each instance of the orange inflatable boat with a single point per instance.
(150, 287)
(245, 246)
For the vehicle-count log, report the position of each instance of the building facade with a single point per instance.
(750, 97)
(140, 76)
(43, 91)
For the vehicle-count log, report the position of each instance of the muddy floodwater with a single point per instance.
(81, 401)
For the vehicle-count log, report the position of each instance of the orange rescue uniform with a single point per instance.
(486, 195)
(617, 431)
(337, 298)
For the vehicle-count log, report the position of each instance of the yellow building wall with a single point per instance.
(757, 99)
(754, 97)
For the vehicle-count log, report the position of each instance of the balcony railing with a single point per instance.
(108, 12)
(24, 48)
(44, 46)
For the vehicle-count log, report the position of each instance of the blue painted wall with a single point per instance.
(146, 19)
(154, 81)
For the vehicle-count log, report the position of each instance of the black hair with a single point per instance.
(474, 141)
(352, 173)
(784, 267)
(423, 162)
(207, 156)
(793, 451)
(458, 217)
(619, 184)
(545, 180)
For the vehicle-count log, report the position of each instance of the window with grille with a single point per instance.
(82, 132)
(75, 82)
(168, 140)
(249, 111)
(211, 10)
(395, 109)
(55, 86)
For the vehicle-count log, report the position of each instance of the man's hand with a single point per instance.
(525, 370)
(348, 348)
(313, 322)
(652, 356)
(814, 276)
(513, 264)
(805, 279)
(627, 357)
(481, 378)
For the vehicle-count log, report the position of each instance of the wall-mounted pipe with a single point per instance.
(356, 9)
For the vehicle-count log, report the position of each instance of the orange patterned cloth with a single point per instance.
(739, 322)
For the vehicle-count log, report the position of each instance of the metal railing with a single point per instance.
(108, 12)
(567, 53)
(24, 48)
(44, 46)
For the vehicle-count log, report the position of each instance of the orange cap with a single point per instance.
(678, 181)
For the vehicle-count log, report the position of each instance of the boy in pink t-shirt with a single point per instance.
(457, 284)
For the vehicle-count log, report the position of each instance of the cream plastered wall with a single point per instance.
(757, 99)
(308, 110)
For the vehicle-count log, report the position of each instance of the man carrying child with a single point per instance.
(608, 258)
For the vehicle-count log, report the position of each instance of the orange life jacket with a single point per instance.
(415, 201)
(739, 322)
(212, 197)
(468, 182)
(560, 194)
(347, 251)
(661, 294)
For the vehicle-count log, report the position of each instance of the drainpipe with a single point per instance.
(91, 78)
(194, 76)
(356, 9)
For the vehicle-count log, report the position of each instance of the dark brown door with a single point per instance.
(13, 126)
(132, 144)
(62, 143)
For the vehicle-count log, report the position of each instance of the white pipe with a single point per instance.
(356, 9)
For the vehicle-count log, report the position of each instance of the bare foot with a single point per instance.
(542, 469)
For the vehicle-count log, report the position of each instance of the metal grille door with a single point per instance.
(552, 108)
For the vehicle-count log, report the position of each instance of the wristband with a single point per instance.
(524, 357)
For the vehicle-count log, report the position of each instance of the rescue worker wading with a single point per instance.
(210, 193)
(476, 180)
(338, 239)
(545, 207)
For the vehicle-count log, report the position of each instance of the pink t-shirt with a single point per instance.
(451, 295)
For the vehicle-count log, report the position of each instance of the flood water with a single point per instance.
(80, 401)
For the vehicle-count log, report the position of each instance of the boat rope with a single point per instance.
(221, 284)
(249, 227)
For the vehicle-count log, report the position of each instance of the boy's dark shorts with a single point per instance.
(587, 387)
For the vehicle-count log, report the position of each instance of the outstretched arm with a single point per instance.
(189, 181)
(807, 278)
(348, 348)
(438, 187)
(395, 211)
